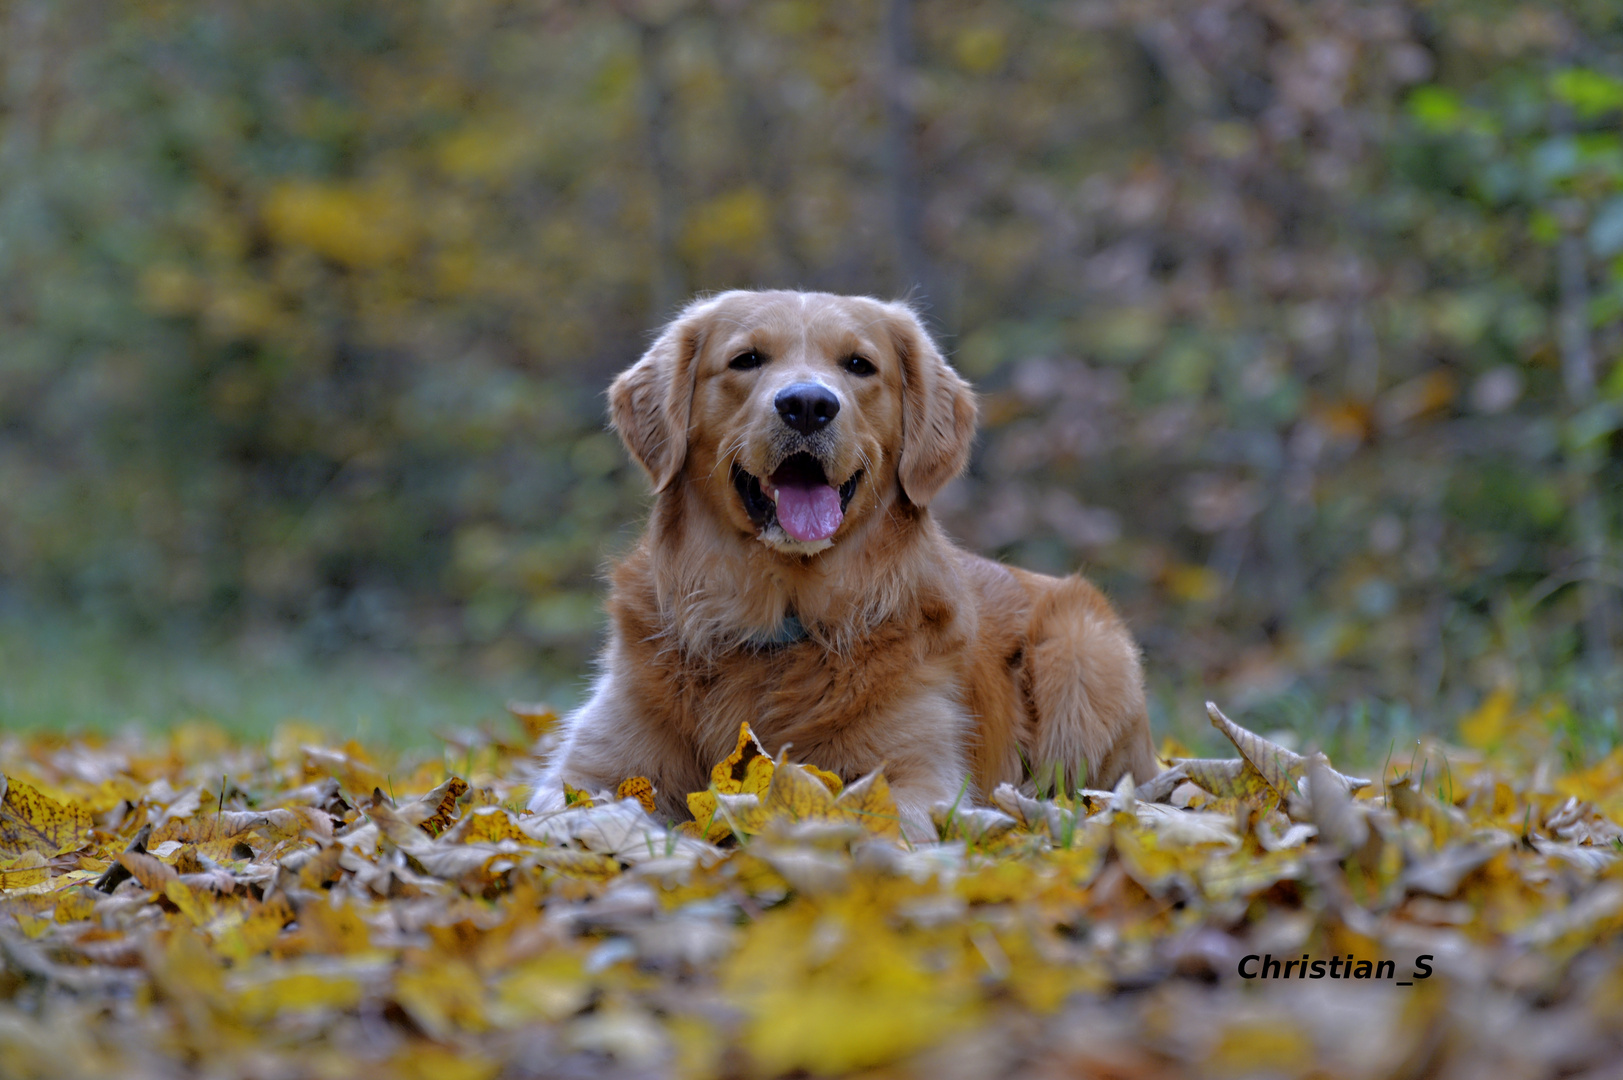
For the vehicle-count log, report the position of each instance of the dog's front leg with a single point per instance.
(607, 740)
(920, 746)
(580, 759)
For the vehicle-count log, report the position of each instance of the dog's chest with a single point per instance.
(800, 692)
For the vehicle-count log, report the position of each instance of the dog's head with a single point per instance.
(796, 414)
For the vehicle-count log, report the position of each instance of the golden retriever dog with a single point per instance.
(791, 576)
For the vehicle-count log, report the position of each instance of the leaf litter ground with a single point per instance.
(190, 906)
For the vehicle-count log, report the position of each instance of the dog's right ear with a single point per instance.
(651, 401)
(938, 411)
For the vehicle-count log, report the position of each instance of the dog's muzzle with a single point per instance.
(798, 497)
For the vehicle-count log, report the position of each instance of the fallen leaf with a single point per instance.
(31, 821)
(436, 811)
(639, 788)
(537, 718)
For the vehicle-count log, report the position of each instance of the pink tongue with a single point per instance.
(809, 513)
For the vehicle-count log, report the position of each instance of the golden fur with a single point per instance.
(918, 656)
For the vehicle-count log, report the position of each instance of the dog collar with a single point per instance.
(789, 632)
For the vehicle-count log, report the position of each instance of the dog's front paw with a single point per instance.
(914, 812)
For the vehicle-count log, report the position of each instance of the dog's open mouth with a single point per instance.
(798, 497)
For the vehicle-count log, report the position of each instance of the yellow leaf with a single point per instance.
(639, 788)
(189, 972)
(1245, 874)
(575, 797)
(442, 998)
(257, 931)
(738, 786)
(1601, 783)
(488, 825)
(577, 863)
(830, 781)
(75, 906)
(833, 1030)
(550, 988)
(757, 776)
(278, 991)
(739, 773)
(743, 813)
(831, 992)
(708, 823)
(981, 49)
(1444, 822)
(32, 821)
(869, 804)
(699, 1046)
(1143, 855)
(1485, 728)
(425, 1061)
(25, 870)
(1229, 778)
(351, 770)
(997, 883)
(357, 226)
(488, 148)
(796, 792)
(537, 719)
(1171, 749)
(324, 928)
(1194, 584)
(1252, 1047)
(192, 904)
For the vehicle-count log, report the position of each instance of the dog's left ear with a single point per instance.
(651, 402)
(938, 411)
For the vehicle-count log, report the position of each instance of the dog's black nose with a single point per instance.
(806, 407)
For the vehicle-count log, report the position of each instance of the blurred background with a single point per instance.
(1296, 325)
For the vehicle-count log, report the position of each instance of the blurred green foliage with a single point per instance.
(1297, 324)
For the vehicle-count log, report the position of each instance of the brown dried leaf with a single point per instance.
(1341, 826)
(152, 872)
(395, 828)
(1279, 768)
(639, 788)
(1229, 778)
(435, 811)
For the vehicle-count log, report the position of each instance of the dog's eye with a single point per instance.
(860, 365)
(747, 361)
